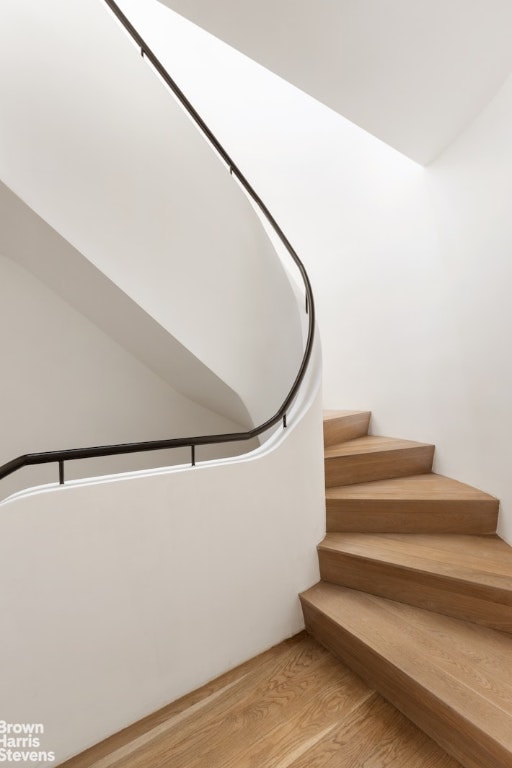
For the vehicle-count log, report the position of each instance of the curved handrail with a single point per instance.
(60, 457)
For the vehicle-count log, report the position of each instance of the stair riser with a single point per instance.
(346, 428)
(405, 516)
(479, 603)
(459, 738)
(365, 467)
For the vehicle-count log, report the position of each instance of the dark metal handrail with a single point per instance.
(60, 457)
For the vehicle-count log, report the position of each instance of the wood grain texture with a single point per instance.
(396, 530)
(375, 735)
(375, 457)
(469, 577)
(340, 426)
(427, 503)
(451, 678)
(291, 707)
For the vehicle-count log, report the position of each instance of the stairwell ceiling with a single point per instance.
(414, 73)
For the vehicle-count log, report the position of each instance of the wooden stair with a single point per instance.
(416, 591)
(452, 678)
(375, 458)
(426, 503)
(469, 577)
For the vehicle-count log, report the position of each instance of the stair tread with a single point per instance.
(464, 665)
(429, 487)
(370, 444)
(479, 559)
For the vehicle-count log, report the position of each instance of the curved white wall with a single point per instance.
(142, 587)
(119, 597)
(96, 146)
(67, 384)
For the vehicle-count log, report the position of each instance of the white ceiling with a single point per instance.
(412, 72)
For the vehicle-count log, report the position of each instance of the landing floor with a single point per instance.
(294, 706)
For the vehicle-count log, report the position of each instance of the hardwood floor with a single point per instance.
(294, 706)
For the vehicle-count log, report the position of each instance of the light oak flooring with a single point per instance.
(294, 706)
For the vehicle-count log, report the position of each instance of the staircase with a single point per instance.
(416, 590)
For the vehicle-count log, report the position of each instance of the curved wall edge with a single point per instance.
(122, 596)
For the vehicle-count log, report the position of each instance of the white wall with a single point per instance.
(121, 596)
(29, 241)
(92, 141)
(410, 265)
(413, 294)
(471, 192)
(66, 384)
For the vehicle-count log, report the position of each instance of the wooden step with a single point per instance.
(469, 577)
(340, 426)
(375, 458)
(426, 503)
(452, 678)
